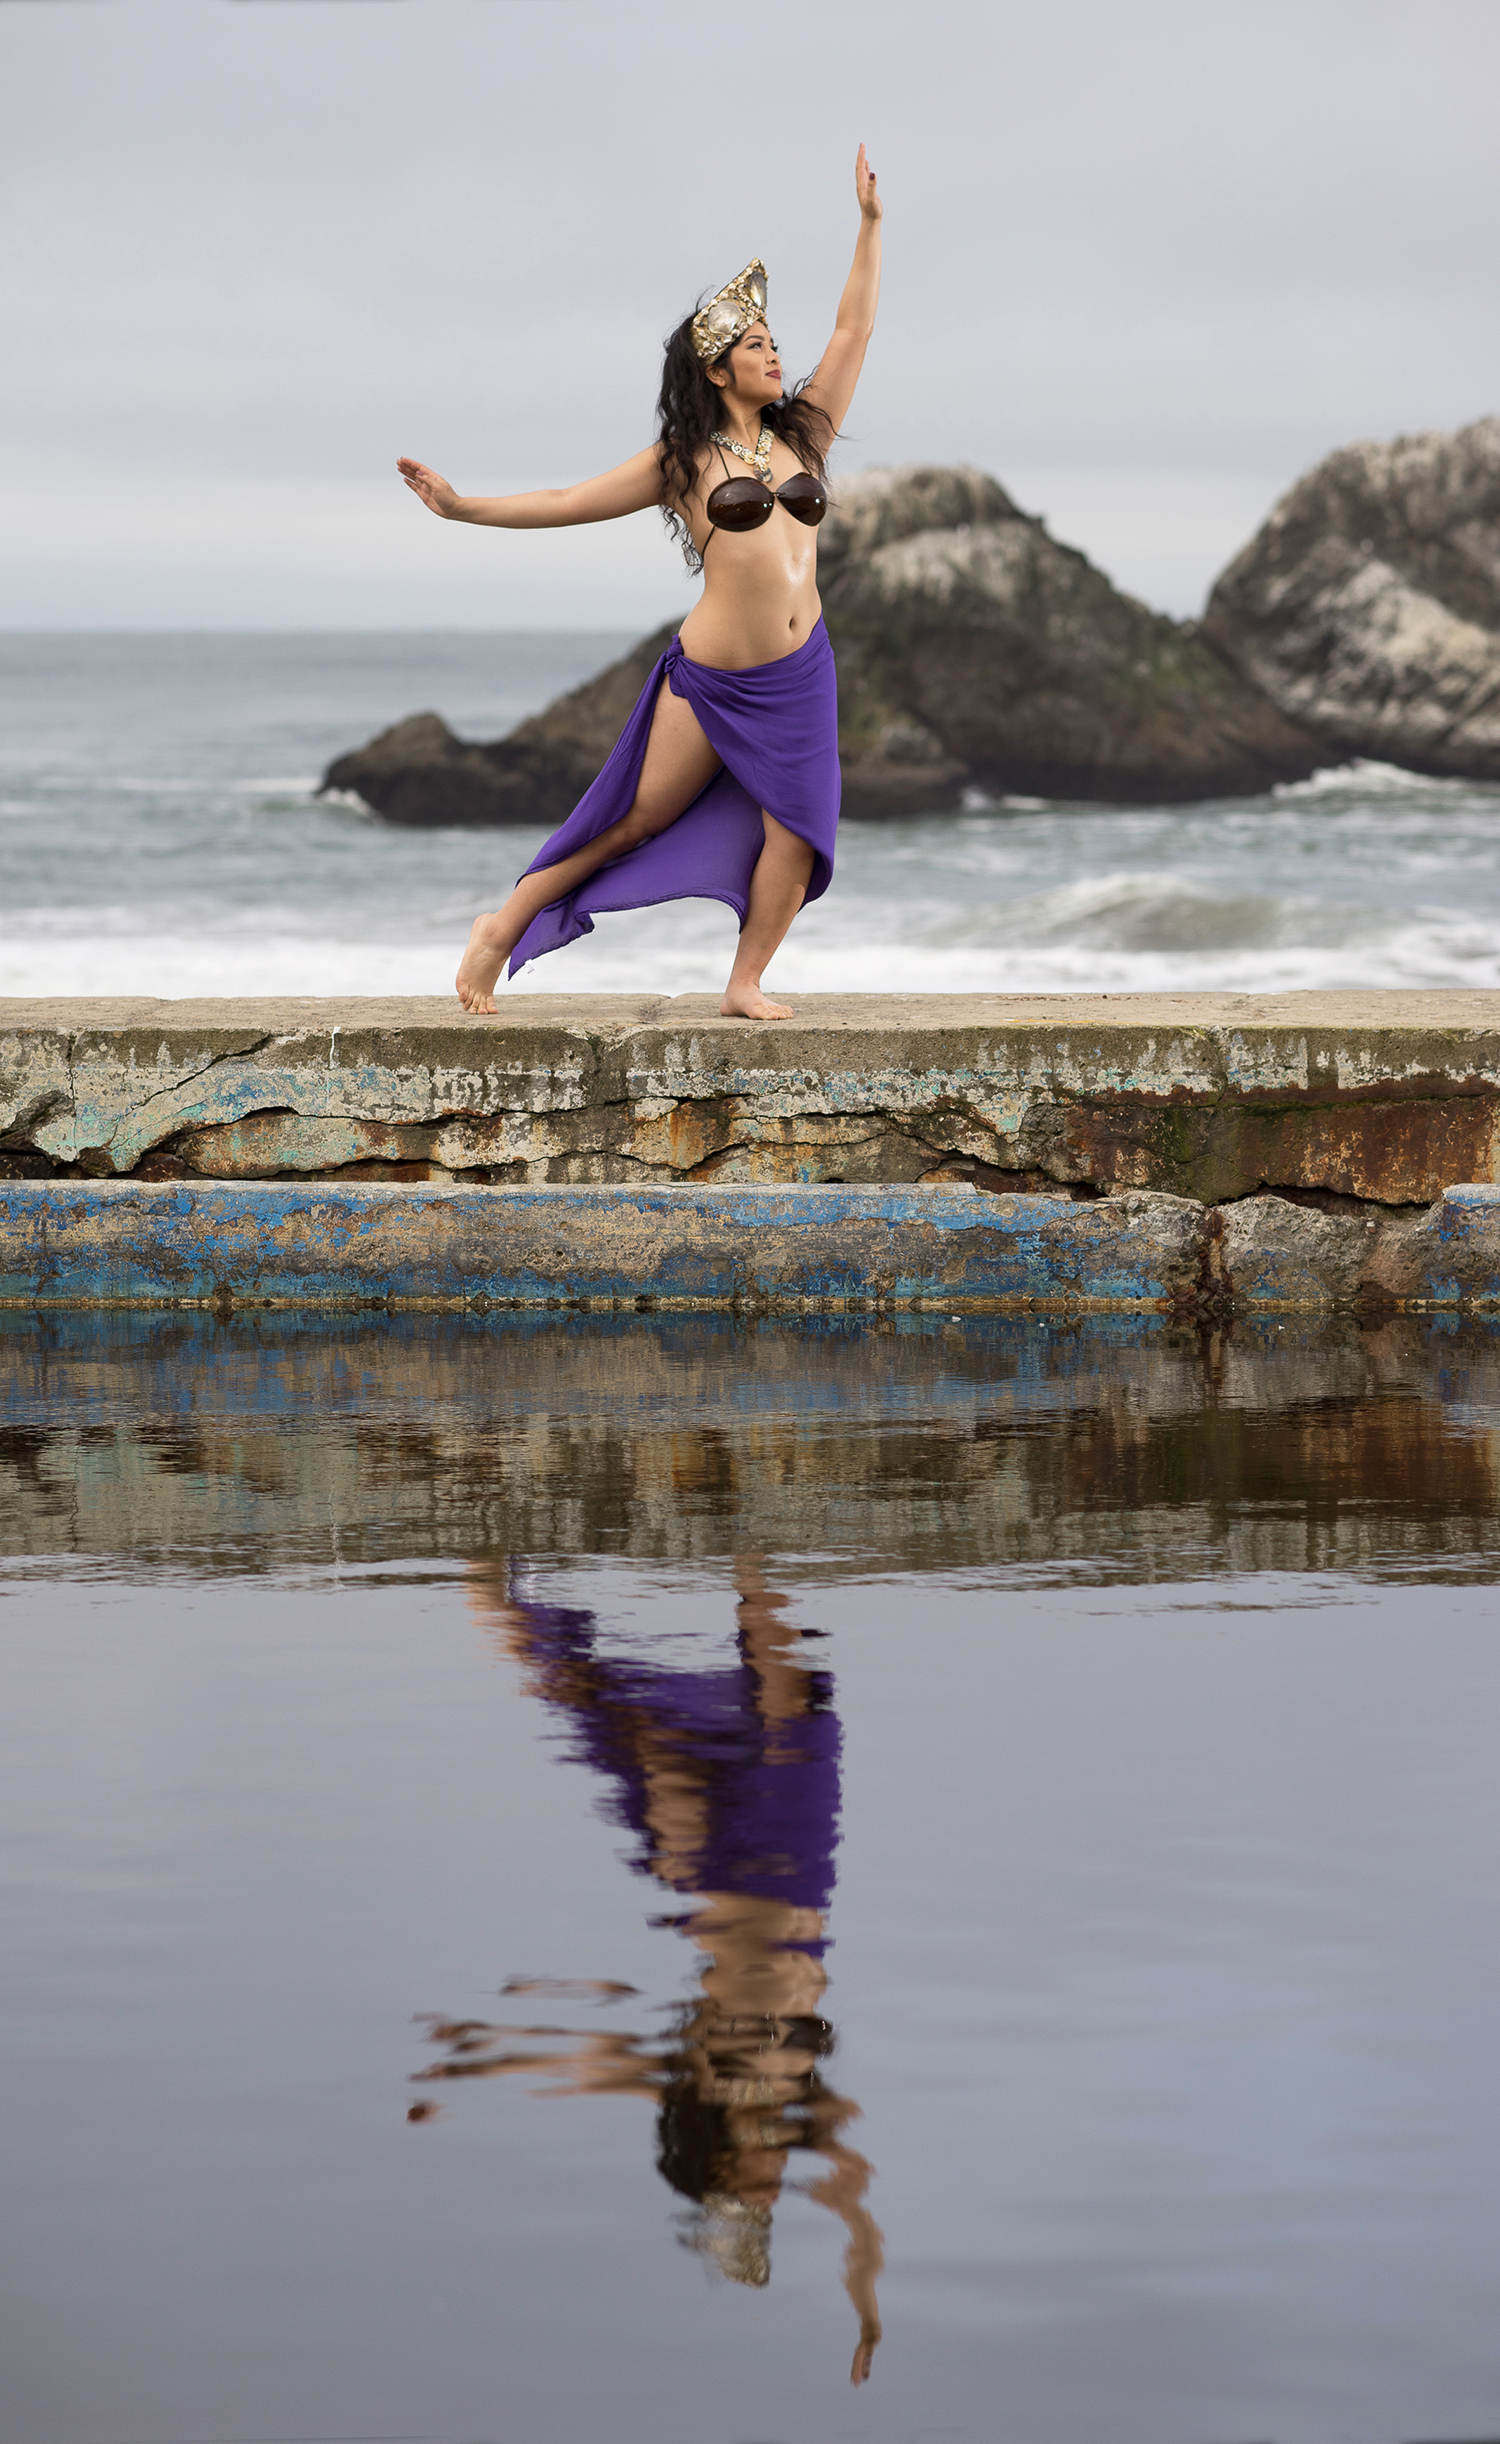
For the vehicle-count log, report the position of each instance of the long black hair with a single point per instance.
(689, 408)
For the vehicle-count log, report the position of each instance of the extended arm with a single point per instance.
(832, 386)
(635, 485)
(843, 2188)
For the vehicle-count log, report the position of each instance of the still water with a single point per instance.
(570, 1878)
(159, 834)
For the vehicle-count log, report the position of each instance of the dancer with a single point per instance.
(725, 782)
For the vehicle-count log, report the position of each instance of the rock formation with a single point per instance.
(1368, 606)
(974, 653)
(975, 650)
(420, 773)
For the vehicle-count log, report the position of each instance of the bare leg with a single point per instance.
(777, 890)
(678, 763)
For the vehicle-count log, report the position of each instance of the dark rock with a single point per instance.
(974, 650)
(420, 773)
(1368, 606)
(974, 653)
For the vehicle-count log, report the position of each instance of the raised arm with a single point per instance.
(832, 386)
(635, 485)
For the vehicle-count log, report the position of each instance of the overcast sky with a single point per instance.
(1145, 262)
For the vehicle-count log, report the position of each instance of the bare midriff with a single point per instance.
(760, 591)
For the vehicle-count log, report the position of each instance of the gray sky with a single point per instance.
(1145, 261)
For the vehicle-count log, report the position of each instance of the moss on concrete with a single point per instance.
(1387, 1097)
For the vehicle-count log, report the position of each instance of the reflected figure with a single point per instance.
(728, 1778)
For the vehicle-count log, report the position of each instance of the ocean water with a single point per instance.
(576, 1880)
(158, 834)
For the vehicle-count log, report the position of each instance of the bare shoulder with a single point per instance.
(703, 471)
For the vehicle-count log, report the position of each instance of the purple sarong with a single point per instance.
(776, 728)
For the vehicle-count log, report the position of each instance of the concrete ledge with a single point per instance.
(1276, 1254)
(701, 1247)
(104, 1243)
(1381, 1097)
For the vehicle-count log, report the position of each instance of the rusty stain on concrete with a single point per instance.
(1388, 1097)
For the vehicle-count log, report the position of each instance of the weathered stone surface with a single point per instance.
(1368, 606)
(1277, 1254)
(327, 1242)
(1448, 1256)
(973, 652)
(1386, 1097)
(92, 1242)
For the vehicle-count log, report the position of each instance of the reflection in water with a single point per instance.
(1114, 1449)
(729, 1781)
(1202, 2142)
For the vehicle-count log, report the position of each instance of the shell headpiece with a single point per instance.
(726, 317)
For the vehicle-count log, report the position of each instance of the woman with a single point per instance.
(736, 758)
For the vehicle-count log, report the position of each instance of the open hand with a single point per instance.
(864, 187)
(435, 490)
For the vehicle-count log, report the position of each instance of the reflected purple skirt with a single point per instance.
(767, 1792)
(776, 729)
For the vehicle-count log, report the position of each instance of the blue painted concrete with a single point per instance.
(1475, 1200)
(1463, 1259)
(312, 1243)
(318, 1242)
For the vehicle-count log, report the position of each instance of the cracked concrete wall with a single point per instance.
(1383, 1097)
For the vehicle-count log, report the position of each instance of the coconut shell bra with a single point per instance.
(743, 502)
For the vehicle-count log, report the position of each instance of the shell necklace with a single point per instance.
(759, 458)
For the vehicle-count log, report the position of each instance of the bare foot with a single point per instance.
(748, 1001)
(490, 945)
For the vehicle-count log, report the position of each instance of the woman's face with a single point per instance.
(754, 368)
